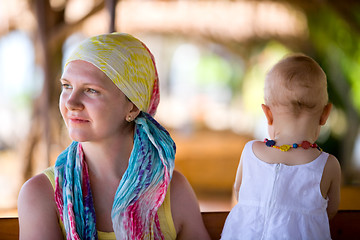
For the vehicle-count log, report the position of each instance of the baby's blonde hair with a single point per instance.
(298, 83)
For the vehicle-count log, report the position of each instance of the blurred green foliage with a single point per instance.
(338, 50)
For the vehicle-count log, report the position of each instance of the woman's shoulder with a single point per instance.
(35, 204)
(178, 181)
(37, 187)
(185, 209)
(37, 192)
(181, 190)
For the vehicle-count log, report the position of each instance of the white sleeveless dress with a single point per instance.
(278, 201)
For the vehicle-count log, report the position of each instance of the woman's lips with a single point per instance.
(77, 120)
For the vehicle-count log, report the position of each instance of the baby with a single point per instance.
(287, 187)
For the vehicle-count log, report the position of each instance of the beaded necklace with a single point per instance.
(287, 147)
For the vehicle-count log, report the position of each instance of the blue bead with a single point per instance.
(295, 145)
(270, 143)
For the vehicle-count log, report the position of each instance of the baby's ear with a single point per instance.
(268, 114)
(325, 114)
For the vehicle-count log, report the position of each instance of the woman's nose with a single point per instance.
(73, 101)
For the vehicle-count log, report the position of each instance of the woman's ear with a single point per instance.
(133, 113)
(325, 114)
(268, 114)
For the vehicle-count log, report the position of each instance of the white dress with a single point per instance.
(277, 201)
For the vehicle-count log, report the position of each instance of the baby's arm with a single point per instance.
(238, 179)
(330, 185)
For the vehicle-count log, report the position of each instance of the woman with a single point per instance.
(116, 179)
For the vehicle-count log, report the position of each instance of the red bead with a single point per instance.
(305, 144)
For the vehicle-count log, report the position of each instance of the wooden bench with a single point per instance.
(9, 228)
(345, 225)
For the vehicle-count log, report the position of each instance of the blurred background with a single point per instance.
(212, 57)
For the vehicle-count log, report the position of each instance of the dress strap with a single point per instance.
(49, 172)
(319, 164)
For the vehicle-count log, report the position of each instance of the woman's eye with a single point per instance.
(65, 86)
(92, 91)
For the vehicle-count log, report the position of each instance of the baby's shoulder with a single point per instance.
(250, 145)
(332, 166)
(256, 147)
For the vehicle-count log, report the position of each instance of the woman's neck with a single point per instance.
(108, 158)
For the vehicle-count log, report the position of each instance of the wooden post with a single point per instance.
(40, 127)
(111, 7)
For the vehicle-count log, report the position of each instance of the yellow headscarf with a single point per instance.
(127, 62)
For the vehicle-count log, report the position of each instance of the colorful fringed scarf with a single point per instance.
(142, 189)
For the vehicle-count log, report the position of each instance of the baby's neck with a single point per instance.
(295, 130)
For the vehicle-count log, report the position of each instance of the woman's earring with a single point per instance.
(129, 119)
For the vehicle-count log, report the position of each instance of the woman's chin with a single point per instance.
(78, 137)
